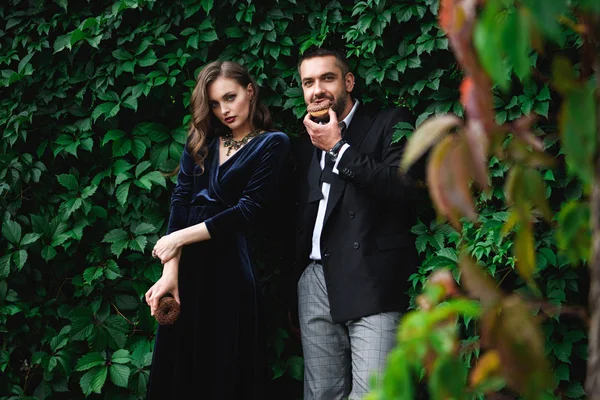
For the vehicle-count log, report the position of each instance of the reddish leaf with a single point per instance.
(525, 188)
(478, 283)
(522, 128)
(519, 151)
(449, 175)
(516, 335)
(488, 366)
(426, 135)
(525, 252)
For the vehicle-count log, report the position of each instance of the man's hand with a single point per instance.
(324, 136)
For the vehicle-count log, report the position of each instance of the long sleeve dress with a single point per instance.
(215, 350)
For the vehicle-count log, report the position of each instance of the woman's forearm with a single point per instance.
(172, 266)
(191, 234)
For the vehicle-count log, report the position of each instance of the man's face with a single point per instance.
(322, 79)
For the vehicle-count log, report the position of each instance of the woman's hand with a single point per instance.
(166, 248)
(168, 283)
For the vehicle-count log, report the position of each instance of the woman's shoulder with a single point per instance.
(276, 136)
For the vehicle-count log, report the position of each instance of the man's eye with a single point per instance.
(307, 83)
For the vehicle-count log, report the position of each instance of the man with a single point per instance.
(354, 243)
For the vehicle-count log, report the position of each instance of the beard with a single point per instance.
(340, 103)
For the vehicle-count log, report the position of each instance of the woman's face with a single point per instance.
(230, 103)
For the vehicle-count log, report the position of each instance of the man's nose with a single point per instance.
(318, 88)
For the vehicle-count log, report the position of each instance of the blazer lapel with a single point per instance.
(313, 176)
(355, 134)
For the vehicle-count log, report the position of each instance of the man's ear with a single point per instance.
(349, 82)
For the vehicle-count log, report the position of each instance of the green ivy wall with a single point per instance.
(94, 102)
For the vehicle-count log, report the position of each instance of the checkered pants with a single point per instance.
(339, 359)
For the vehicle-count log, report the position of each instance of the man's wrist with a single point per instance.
(335, 150)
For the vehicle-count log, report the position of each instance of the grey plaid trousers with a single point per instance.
(339, 359)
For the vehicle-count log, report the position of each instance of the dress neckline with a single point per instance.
(218, 150)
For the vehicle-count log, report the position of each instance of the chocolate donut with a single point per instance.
(168, 311)
(319, 110)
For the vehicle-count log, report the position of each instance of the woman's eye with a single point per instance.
(231, 97)
(213, 105)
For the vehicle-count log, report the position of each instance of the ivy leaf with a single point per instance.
(20, 258)
(295, 366)
(121, 356)
(115, 235)
(88, 191)
(143, 229)
(111, 270)
(122, 193)
(122, 55)
(11, 231)
(121, 147)
(148, 59)
(118, 247)
(109, 110)
(563, 350)
(61, 42)
(138, 244)
(5, 266)
(153, 177)
(141, 167)
(90, 360)
(48, 253)
(127, 303)
(117, 327)
(421, 243)
(577, 120)
(575, 391)
(93, 380)
(138, 148)
(119, 374)
(68, 181)
(91, 274)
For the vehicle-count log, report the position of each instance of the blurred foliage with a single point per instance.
(514, 189)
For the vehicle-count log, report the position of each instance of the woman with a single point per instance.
(227, 178)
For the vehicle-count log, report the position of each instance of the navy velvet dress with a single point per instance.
(215, 350)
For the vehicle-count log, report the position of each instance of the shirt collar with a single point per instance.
(350, 115)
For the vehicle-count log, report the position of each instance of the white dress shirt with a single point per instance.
(315, 253)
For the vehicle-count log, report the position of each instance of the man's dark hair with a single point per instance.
(340, 59)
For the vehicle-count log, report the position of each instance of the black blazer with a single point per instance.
(368, 251)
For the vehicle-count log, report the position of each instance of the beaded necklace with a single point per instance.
(231, 143)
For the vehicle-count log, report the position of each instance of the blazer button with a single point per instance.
(299, 230)
(326, 255)
(355, 245)
(351, 214)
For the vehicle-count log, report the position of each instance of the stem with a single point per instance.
(592, 381)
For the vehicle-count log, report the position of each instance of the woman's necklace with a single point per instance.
(231, 143)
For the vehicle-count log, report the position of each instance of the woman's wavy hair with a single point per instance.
(204, 123)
